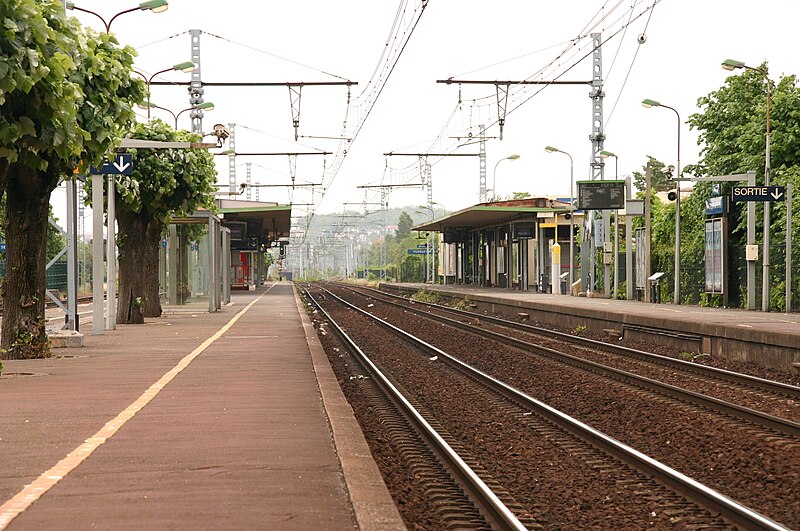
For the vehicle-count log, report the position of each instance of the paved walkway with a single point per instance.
(769, 322)
(230, 420)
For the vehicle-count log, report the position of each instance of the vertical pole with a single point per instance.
(248, 180)
(571, 223)
(111, 256)
(596, 163)
(788, 247)
(97, 254)
(232, 159)
(629, 278)
(677, 289)
(72, 255)
(615, 292)
(196, 85)
(767, 205)
(482, 164)
(751, 240)
(647, 265)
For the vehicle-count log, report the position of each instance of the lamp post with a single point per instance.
(186, 66)
(205, 106)
(551, 149)
(647, 103)
(606, 154)
(156, 6)
(494, 176)
(730, 65)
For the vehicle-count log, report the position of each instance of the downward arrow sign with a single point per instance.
(121, 165)
(776, 195)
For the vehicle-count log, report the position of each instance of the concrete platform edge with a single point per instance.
(373, 505)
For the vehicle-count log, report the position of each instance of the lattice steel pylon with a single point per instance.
(596, 163)
(232, 159)
(196, 84)
(430, 241)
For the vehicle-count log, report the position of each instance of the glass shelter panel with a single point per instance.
(192, 265)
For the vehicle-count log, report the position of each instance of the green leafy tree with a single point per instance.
(164, 183)
(65, 95)
(732, 127)
(404, 225)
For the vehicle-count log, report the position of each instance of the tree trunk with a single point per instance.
(152, 301)
(138, 258)
(27, 211)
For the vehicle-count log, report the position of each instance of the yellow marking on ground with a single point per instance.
(30, 493)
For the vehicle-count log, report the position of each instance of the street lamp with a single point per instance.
(647, 103)
(156, 6)
(494, 177)
(730, 65)
(186, 66)
(205, 106)
(551, 149)
(605, 155)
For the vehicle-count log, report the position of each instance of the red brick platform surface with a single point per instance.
(230, 420)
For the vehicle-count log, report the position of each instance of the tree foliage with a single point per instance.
(65, 96)
(404, 225)
(732, 127)
(164, 183)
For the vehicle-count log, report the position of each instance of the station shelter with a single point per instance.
(520, 244)
(192, 263)
(207, 254)
(255, 227)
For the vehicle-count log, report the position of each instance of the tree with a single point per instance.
(732, 126)
(65, 95)
(404, 225)
(164, 183)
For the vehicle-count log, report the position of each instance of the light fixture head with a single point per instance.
(732, 64)
(187, 66)
(513, 157)
(70, 5)
(206, 106)
(647, 103)
(551, 149)
(606, 154)
(156, 6)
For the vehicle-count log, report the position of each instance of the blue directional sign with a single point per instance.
(2, 247)
(759, 193)
(122, 164)
(421, 251)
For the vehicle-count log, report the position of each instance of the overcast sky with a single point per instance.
(331, 40)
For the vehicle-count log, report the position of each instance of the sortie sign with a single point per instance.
(759, 193)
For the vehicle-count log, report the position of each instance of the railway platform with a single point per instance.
(226, 420)
(769, 339)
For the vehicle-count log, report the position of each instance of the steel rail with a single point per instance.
(762, 384)
(781, 425)
(494, 508)
(733, 511)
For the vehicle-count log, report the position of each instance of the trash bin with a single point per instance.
(564, 283)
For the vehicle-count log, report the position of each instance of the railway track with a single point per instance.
(668, 438)
(598, 460)
(767, 403)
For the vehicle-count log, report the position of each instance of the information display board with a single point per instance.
(601, 195)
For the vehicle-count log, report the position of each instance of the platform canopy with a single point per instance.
(268, 222)
(497, 213)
